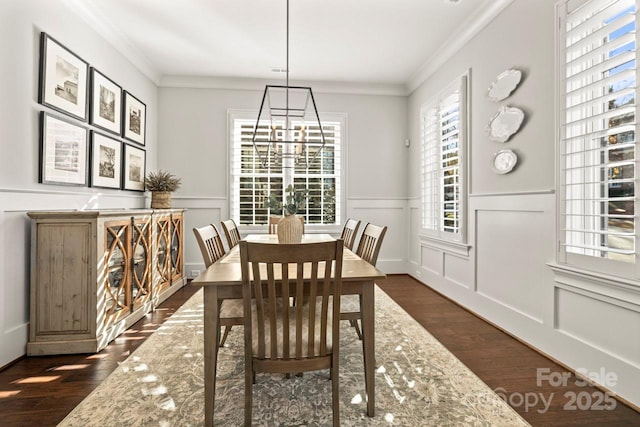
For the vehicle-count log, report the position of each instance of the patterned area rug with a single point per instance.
(418, 382)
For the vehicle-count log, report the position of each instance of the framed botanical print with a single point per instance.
(106, 103)
(134, 119)
(133, 171)
(64, 79)
(106, 161)
(63, 151)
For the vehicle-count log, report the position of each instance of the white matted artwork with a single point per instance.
(133, 171)
(106, 103)
(134, 119)
(63, 152)
(63, 79)
(106, 161)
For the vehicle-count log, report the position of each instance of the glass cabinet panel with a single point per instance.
(116, 268)
(176, 247)
(141, 271)
(163, 245)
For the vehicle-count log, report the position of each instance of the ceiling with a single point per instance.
(383, 42)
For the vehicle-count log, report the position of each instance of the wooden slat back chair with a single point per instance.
(273, 224)
(231, 232)
(281, 337)
(349, 232)
(368, 250)
(210, 243)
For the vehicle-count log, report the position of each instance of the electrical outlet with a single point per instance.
(418, 274)
(195, 273)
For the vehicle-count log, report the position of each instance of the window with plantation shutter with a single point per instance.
(253, 181)
(442, 124)
(598, 134)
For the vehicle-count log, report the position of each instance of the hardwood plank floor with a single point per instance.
(506, 365)
(41, 391)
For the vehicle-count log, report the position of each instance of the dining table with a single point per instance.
(223, 280)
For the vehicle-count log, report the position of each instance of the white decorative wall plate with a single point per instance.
(505, 123)
(504, 85)
(504, 161)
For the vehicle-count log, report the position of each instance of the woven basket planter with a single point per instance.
(160, 199)
(290, 229)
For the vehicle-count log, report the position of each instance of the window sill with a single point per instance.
(452, 247)
(602, 279)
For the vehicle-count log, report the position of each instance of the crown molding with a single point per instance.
(467, 31)
(237, 83)
(88, 12)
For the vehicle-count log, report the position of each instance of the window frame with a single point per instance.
(446, 239)
(630, 270)
(340, 214)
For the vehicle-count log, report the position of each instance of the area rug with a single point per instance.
(418, 382)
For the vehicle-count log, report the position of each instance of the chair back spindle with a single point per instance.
(231, 232)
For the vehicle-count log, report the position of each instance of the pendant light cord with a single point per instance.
(287, 84)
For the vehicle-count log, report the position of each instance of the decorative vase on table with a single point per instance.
(290, 229)
(160, 199)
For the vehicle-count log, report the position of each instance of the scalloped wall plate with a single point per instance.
(505, 123)
(504, 85)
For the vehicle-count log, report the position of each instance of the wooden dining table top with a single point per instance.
(226, 271)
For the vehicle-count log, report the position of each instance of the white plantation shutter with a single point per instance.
(598, 132)
(442, 142)
(253, 182)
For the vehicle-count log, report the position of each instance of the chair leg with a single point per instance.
(249, 378)
(227, 329)
(354, 323)
(335, 397)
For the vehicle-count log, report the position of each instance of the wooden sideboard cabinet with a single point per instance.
(94, 273)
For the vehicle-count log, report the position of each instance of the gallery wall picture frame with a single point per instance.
(133, 169)
(105, 109)
(106, 161)
(64, 79)
(134, 119)
(63, 151)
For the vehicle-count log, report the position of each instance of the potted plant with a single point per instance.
(294, 201)
(290, 227)
(161, 184)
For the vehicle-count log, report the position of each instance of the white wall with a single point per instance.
(193, 137)
(582, 320)
(21, 23)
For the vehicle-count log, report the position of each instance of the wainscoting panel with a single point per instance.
(600, 322)
(512, 238)
(431, 260)
(201, 211)
(458, 270)
(394, 214)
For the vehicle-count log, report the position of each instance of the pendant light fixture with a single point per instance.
(294, 136)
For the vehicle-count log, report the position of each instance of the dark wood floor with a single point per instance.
(41, 391)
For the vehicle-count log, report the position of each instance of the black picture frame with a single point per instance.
(64, 78)
(106, 161)
(63, 151)
(133, 168)
(105, 110)
(134, 119)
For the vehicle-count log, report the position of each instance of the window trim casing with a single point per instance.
(575, 261)
(341, 215)
(441, 238)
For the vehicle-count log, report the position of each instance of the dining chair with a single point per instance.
(349, 232)
(273, 224)
(231, 232)
(283, 337)
(212, 249)
(368, 250)
(274, 220)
